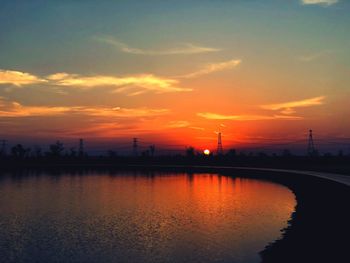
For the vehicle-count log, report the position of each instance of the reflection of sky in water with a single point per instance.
(173, 218)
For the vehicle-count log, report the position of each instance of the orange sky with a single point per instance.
(175, 75)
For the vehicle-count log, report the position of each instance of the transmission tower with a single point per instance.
(81, 147)
(219, 150)
(134, 146)
(311, 151)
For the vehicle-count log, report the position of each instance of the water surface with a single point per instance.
(134, 217)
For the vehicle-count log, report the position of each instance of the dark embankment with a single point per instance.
(319, 230)
(320, 227)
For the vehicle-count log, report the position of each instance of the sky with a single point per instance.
(175, 73)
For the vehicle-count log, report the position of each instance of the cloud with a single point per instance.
(182, 124)
(132, 85)
(122, 112)
(178, 124)
(186, 48)
(15, 109)
(312, 57)
(216, 116)
(213, 67)
(18, 78)
(288, 107)
(319, 2)
(196, 128)
(60, 76)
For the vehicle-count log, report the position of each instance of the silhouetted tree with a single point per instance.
(37, 151)
(152, 149)
(19, 151)
(145, 153)
(190, 152)
(315, 153)
(262, 154)
(231, 153)
(328, 155)
(73, 152)
(242, 154)
(111, 153)
(56, 149)
(286, 153)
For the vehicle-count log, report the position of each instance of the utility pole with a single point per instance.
(81, 148)
(134, 146)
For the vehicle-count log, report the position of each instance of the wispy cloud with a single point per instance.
(182, 124)
(196, 128)
(185, 48)
(216, 116)
(122, 112)
(132, 85)
(213, 67)
(15, 109)
(319, 2)
(315, 56)
(178, 124)
(288, 107)
(286, 111)
(18, 78)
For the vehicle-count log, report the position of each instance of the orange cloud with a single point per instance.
(132, 85)
(216, 116)
(15, 109)
(178, 124)
(287, 107)
(18, 78)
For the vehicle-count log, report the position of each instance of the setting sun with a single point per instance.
(206, 152)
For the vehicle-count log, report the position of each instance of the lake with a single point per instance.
(139, 217)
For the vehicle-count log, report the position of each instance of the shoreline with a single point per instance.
(317, 228)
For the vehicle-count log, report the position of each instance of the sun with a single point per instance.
(206, 152)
